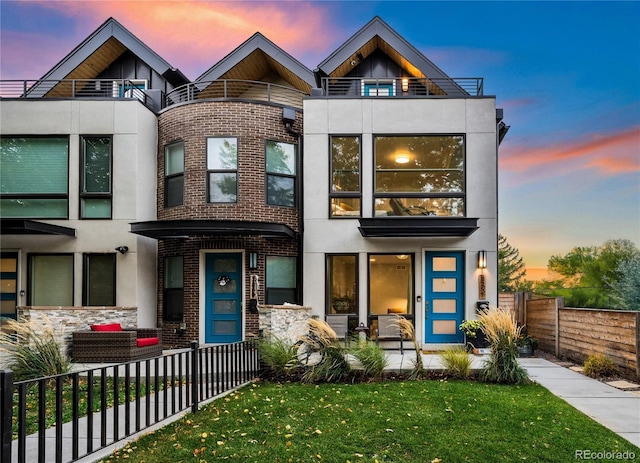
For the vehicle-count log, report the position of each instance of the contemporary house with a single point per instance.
(365, 187)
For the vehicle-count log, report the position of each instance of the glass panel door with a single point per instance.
(444, 297)
(223, 304)
(8, 284)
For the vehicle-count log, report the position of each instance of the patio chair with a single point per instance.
(389, 330)
(339, 324)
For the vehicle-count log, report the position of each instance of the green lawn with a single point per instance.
(413, 421)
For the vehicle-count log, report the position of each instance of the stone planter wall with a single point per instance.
(66, 320)
(286, 322)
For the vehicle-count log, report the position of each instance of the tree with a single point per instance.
(511, 270)
(627, 288)
(589, 276)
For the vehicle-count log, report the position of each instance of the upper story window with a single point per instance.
(95, 178)
(174, 174)
(281, 169)
(345, 195)
(419, 175)
(130, 88)
(222, 170)
(379, 87)
(35, 177)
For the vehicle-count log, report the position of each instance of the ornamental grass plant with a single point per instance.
(503, 333)
(32, 349)
(457, 362)
(408, 331)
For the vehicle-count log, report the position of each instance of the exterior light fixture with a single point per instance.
(402, 256)
(405, 84)
(122, 249)
(402, 158)
(253, 260)
(482, 260)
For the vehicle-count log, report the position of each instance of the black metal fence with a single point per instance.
(67, 417)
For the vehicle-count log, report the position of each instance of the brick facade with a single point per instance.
(252, 123)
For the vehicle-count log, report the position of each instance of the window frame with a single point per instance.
(335, 197)
(269, 289)
(223, 171)
(462, 195)
(166, 290)
(95, 195)
(30, 269)
(354, 299)
(294, 177)
(411, 259)
(169, 177)
(41, 196)
(86, 268)
(369, 84)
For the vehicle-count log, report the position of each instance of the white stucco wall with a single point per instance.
(134, 131)
(473, 117)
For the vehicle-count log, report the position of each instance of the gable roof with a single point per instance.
(255, 59)
(377, 34)
(102, 48)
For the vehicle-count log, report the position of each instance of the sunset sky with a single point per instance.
(566, 73)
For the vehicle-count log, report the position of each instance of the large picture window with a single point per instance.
(342, 284)
(419, 175)
(174, 174)
(99, 280)
(173, 306)
(95, 178)
(222, 170)
(281, 280)
(35, 177)
(345, 193)
(50, 279)
(281, 173)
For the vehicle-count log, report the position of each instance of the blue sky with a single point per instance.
(566, 73)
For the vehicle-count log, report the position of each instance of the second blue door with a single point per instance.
(223, 298)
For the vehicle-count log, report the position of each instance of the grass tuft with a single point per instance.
(457, 362)
(32, 349)
(372, 358)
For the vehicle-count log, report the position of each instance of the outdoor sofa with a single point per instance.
(114, 344)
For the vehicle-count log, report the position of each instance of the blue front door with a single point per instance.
(223, 298)
(8, 284)
(444, 296)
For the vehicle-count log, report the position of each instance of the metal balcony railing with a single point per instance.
(402, 87)
(235, 89)
(73, 88)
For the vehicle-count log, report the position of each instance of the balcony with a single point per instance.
(235, 89)
(78, 88)
(351, 87)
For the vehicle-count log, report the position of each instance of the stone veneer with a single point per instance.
(285, 322)
(66, 320)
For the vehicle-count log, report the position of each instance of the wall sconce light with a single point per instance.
(482, 260)
(253, 260)
(402, 158)
(405, 84)
(122, 249)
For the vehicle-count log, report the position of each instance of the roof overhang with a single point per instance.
(33, 227)
(410, 227)
(176, 229)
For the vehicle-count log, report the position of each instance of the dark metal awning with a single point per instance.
(417, 226)
(167, 229)
(33, 227)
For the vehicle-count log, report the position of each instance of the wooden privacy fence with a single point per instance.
(575, 333)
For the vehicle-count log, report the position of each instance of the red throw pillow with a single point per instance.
(141, 342)
(106, 327)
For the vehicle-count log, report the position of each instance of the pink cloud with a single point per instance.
(193, 35)
(608, 154)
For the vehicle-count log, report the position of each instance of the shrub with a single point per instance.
(371, 356)
(503, 333)
(321, 341)
(599, 365)
(456, 362)
(32, 349)
(278, 358)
